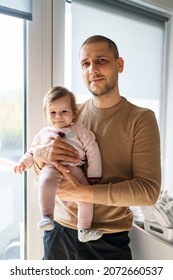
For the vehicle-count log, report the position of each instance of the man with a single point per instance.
(128, 139)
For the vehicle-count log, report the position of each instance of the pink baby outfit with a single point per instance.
(82, 140)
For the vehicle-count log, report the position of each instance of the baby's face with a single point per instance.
(59, 112)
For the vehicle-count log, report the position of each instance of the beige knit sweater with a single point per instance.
(128, 138)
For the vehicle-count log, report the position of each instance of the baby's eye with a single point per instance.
(64, 111)
(52, 113)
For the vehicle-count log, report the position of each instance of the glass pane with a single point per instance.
(11, 136)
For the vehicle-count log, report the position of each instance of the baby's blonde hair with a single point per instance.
(57, 92)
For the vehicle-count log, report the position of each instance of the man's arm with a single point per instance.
(70, 189)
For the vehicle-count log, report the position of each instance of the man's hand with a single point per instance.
(70, 189)
(55, 152)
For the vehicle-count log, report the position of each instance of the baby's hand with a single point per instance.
(20, 168)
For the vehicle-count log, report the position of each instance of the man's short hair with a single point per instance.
(99, 38)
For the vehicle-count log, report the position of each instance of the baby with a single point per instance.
(60, 109)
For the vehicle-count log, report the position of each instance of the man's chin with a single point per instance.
(98, 94)
(95, 92)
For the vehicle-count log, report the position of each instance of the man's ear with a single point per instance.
(120, 63)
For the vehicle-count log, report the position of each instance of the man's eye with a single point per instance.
(85, 65)
(101, 61)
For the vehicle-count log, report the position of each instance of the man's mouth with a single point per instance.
(96, 80)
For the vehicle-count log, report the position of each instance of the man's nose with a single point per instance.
(93, 68)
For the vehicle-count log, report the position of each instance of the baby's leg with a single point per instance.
(85, 213)
(49, 180)
(85, 210)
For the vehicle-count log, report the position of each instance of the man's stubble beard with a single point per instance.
(106, 89)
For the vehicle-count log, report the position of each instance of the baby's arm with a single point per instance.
(27, 160)
(20, 167)
(94, 169)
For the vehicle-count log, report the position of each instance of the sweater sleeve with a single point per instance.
(144, 186)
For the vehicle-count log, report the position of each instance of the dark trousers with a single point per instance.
(62, 243)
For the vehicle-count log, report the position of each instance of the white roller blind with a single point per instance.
(140, 40)
(17, 8)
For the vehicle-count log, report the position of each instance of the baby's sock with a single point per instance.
(85, 235)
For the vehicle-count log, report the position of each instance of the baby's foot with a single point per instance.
(46, 224)
(85, 235)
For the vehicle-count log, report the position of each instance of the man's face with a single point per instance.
(100, 68)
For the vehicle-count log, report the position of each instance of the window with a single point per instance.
(11, 136)
(140, 39)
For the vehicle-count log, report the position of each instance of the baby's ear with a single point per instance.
(75, 115)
